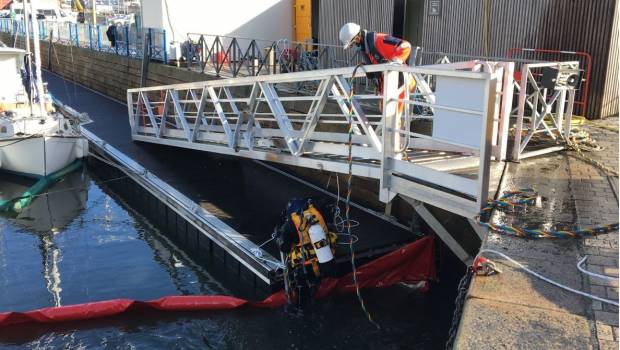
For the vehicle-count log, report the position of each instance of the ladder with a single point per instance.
(302, 119)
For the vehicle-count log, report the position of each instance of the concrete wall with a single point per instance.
(257, 19)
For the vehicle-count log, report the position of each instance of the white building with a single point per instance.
(257, 19)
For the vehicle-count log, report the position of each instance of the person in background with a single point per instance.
(111, 34)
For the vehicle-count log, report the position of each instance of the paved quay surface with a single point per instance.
(516, 310)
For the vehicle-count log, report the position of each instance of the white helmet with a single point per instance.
(348, 32)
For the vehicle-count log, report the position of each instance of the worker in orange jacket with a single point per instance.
(379, 48)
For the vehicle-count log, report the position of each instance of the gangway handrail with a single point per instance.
(318, 74)
(447, 170)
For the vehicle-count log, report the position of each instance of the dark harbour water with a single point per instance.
(78, 244)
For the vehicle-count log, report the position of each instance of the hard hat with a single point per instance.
(348, 33)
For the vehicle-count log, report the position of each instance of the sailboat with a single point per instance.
(35, 139)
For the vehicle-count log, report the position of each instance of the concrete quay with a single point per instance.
(516, 310)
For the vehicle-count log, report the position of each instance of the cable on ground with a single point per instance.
(592, 274)
(546, 279)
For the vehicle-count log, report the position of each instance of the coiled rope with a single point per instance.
(527, 197)
(574, 146)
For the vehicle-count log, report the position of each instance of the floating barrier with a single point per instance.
(414, 262)
(17, 204)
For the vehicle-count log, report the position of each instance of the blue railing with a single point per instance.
(128, 40)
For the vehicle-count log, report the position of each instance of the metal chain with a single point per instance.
(575, 147)
(459, 302)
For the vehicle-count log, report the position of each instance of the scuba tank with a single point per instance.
(307, 247)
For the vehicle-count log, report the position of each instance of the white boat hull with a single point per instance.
(38, 156)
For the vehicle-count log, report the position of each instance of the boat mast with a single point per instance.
(26, 21)
(37, 61)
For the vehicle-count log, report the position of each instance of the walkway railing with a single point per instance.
(127, 41)
(236, 56)
(248, 117)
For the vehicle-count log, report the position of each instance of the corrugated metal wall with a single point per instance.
(611, 103)
(576, 25)
(377, 15)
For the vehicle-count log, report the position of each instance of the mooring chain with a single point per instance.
(459, 302)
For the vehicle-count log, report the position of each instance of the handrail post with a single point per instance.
(165, 47)
(70, 34)
(116, 40)
(234, 62)
(390, 127)
(252, 57)
(150, 43)
(77, 35)
(90, 36)
(127, 39)
(98, 37)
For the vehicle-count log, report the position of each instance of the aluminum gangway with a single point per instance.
(302, 119)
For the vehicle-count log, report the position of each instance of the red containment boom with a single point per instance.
(411, 263)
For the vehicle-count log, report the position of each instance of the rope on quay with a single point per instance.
(573, 145)
(546, 279)
(528, 197)
(592, 274)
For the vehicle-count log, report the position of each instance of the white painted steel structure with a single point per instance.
(251, 117)
(542, 112)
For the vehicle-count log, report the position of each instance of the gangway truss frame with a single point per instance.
(259, 118)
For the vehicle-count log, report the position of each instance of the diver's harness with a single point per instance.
(307, 249)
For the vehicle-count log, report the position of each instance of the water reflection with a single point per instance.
(46, 216)
(53, 209)
(79, 243)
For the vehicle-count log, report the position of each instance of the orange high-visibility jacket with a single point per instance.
(384, 48)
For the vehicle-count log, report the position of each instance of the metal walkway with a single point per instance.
(267, 118)
(215, 194)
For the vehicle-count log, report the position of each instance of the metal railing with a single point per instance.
(249, 117)
(126, 40)
(236, 56)
(585, 62)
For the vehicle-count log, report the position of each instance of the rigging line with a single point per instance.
(335, 196)
(348, 199)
